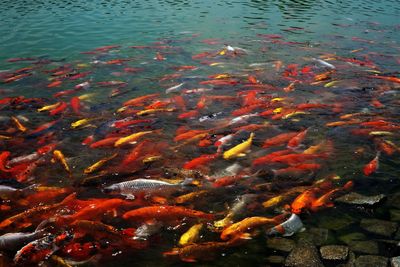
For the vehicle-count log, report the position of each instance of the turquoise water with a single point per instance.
(355, 40)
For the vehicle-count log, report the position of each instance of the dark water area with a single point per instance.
(249, 133)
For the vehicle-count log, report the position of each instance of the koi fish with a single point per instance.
(372, 166)
(279, 139)
(200, 161)
(288, 227)
(191, 236)
(296, 140)
(94, 167)
(247, 225)
(58, 155)
(140, 100)
(205, 251)
(131, 138)
(164, 213)
(239, 149)
(145, 187)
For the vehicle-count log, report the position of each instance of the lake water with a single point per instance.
(326, 72)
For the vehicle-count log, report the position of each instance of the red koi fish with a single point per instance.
(54, 84)
(220, 82)
(279, 139)
(296, 140)
(106, 142)
(64, 93)
(179, 102)
(43, 127)
(200, 161)
(3, 160)
(189, 114)
(106, 48)
(126, 123)
(76, 105)
(296, 159)
(59, 109)
(386, 78)
(372, 166)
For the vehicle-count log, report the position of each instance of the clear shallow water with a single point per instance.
(364, 30)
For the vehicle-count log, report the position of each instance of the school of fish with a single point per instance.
(216, 152)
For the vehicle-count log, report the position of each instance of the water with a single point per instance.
(359, 38)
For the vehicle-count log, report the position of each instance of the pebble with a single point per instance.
(304, 254)
(334, 252)
(358, 199)
(371, 261)
(282, 244)
(380, 227)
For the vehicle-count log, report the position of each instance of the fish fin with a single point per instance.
(245, 236)
(159, 200)
(329, 205)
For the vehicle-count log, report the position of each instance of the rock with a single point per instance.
(397, 235)
(395, 262)
(358, 199)
(317, 236)
(304, 254)
(395, 215)
(380, 227)
(336, 222)
(282, 244)
(352, 237)
(371, 261)
(367, 247)
(394, 200)
(351, 262)
(276, 259)
(334, 252)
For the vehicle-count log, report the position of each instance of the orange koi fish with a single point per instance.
(138, 101)
(54, 84)
(164, 213)
(304, 201)
(268, 158)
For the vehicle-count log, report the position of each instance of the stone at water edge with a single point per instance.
(380, 227)
(304, 254)
(282, 244)
(334, 252)
(358, 199)
(371, 261)
(367, 247)
(395, 262)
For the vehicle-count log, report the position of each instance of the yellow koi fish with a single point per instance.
(153, 110)
(130, 138)
(48, 107)
(58, 155)
(78, 123)
(239, 150)
(19, 125)
(94, 167)
(191, 235)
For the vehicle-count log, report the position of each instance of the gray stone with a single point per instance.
(334, 252)
(395, 215)
(276, 259)
(380, 227)
(317, 236)
(282, 244)
(304, 254)
(371, 261)
(358, 199)
(367, 247)
(395, 262)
